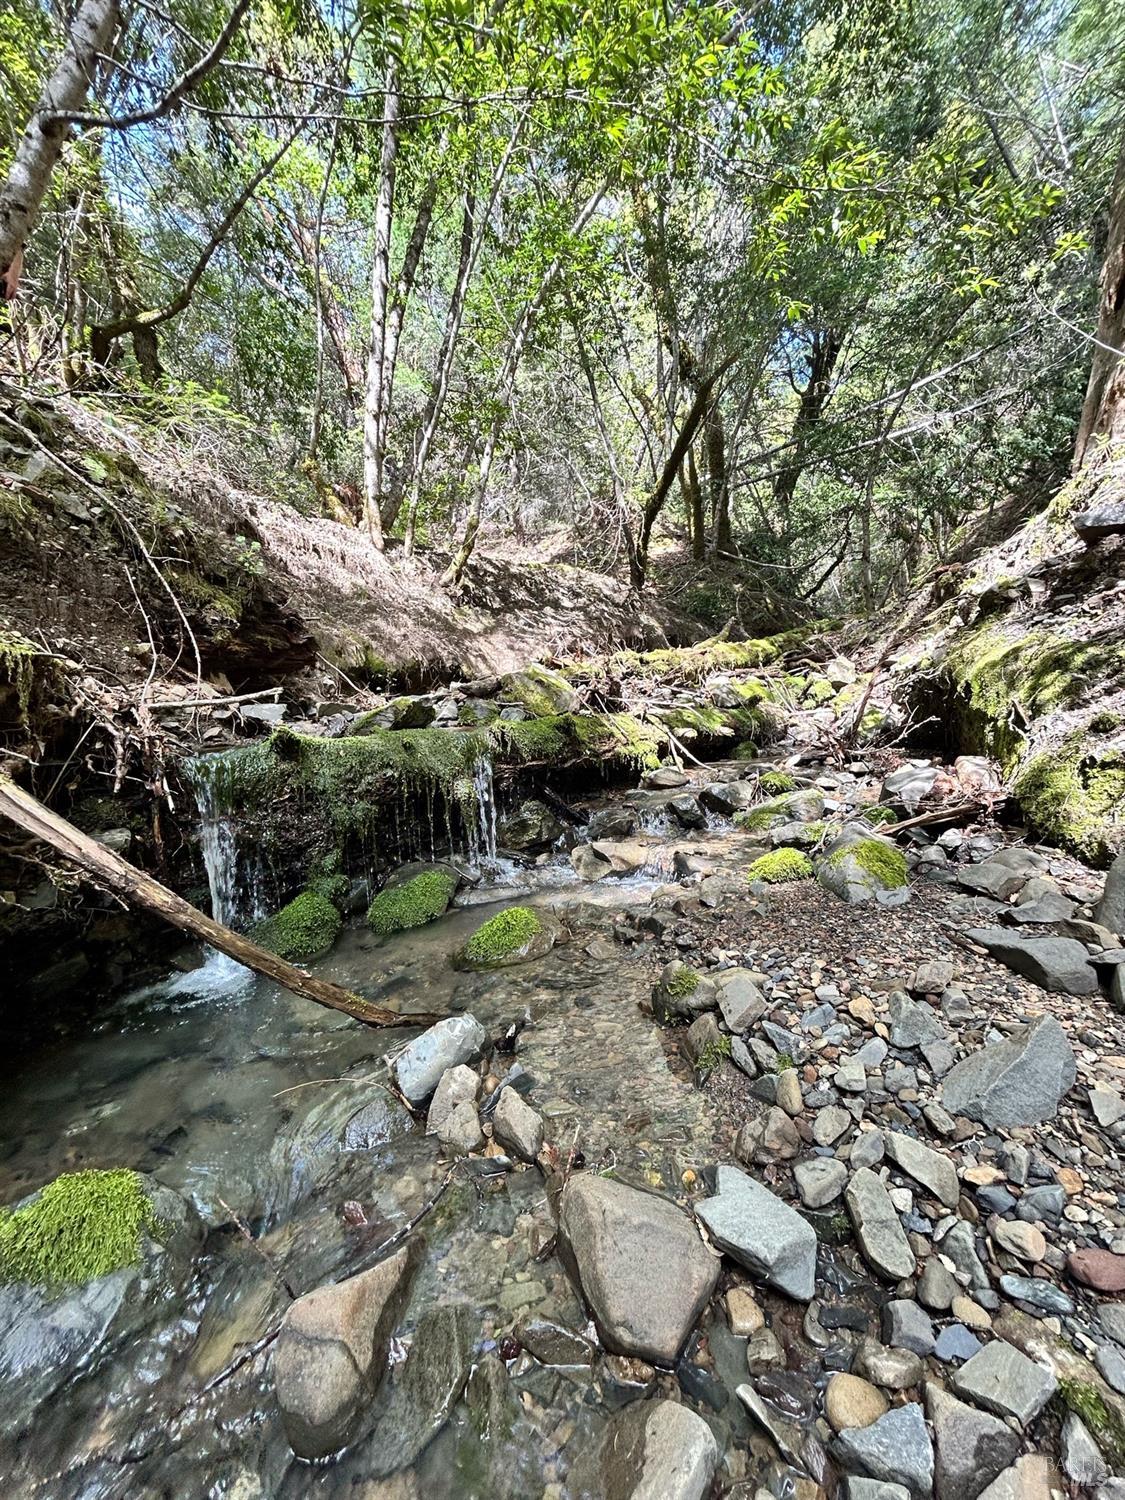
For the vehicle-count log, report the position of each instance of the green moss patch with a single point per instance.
(881, 860)
(303, 930)
(509, 932)
(543, 693)
(877, 816)
(81, 1226)
(683, 983)
(1075, 797)
(781, 867)
(1086, 1401)
(413, 903)
(774, 782)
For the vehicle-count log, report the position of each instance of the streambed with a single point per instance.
(270, 1116)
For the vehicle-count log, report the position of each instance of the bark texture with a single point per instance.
(1103, 413)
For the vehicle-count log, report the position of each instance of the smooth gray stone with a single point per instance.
(881, 1236)
(1059, 965)
(931, 1168)
(896, 1448)
(906, 1326)
(761, 1232)
(1038, 1293)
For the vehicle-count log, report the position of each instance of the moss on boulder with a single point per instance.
(540, 691)
(1075, 795)
(80, 1226)
(509, 937)
(304, 929)
(857, 869)
(412, 904)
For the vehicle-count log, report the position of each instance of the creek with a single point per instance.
(272, 1118)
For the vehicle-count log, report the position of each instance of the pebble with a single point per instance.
(850, 1401)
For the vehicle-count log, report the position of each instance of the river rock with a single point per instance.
(48, 1334)
(1018, 1081)
(1032, 1477)
(893, 1369)
(458, 1085)
(830, 1124)
(1110, 910)
(418, 1068)
(761, 1232)
(913, 1022)
(937, 1286)
(769, 1138)
(858, 1488)
(657, 1450)
(852, 1402)
(1060, 965)
(972, 1447)
(906, 1326)
(881, 1236)
(460, 1131)
(682, 993)
(1038, 1293)
(844, 872)
(413, 1408)
(602, 858)
(820, 1180)
(331, 1353)
(741, 1002)
(896, 1449)
(1104, 1270)
(1004, 1381)
(517, 1126)
(532, 826)
(639, 1262)
(909, 785)
(1082, 1459)
(1019, 1239)
(934, 1171)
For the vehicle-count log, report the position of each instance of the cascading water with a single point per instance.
(235, 882)
(486, 811)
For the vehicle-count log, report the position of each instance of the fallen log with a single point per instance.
(109, 871)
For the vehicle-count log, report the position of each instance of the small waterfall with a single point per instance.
(486, 811)
(234, 877)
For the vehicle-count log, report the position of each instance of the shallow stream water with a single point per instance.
(269, 1114)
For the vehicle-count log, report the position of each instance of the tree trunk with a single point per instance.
(110, 872)
(373, 454)
(693, 491)
(1103, 413)
(714, 435)
(29, 177)
(518, 342)
(825, 352)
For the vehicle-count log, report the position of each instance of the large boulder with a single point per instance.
(858, 866)
(761, 1232)
(639, 1261)
(331, 1353)
(656, 1450)
(48, 1332)
(418, 1068)
(1060, 965)
(540, 691)
(1017, 1081)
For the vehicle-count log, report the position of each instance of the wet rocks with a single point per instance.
(881, 1236)
(531, 826)
(516, 1125)
(657, 1450)
(602, 858)
(1059, 965)
(412, 1410)
(460, 1131)
(761, 1232)
(1018, 1081)
(896, 1449)
(418, 1068)
(1003, 1380)
(972, 1447)
(457, 1085)
(681, 993)
(331, 1353)
(639, 1262)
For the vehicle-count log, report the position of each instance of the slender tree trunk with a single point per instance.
(620, 494)
(21, 197)
(518, 343)
(390, 505)
(435, 405)
(373, 453)
(825, 352)
(1103, 413)
(655, 502)
(694, 493)
(714, 435)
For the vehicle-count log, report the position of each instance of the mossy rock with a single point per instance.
(819, 691)
(303, 930)
(412, 903)
(781, 867)
(400, 713)
(80, 1226)
(514, 936)
(1075, 794)
(540, 691)
(775, 782)
(858, 868)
